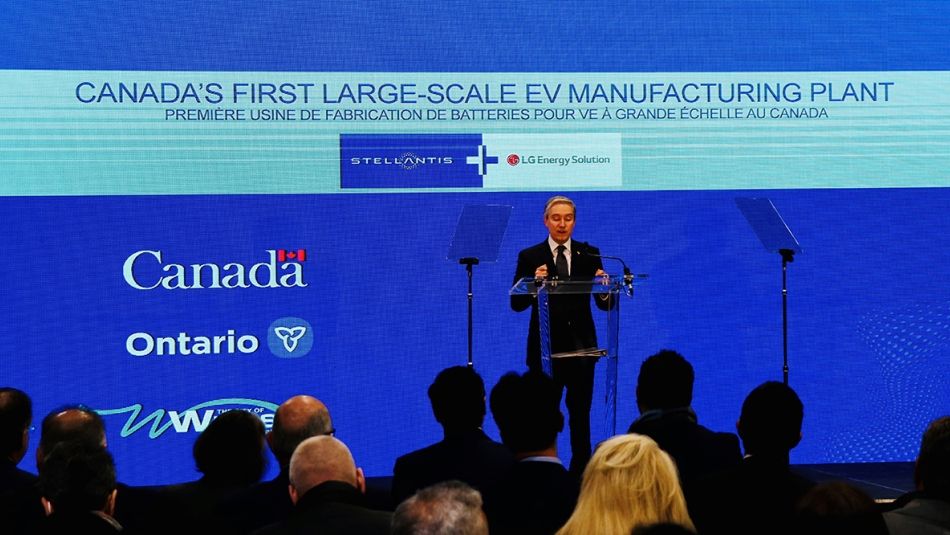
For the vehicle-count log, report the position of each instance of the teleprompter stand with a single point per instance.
(477, 239)
(775, 235)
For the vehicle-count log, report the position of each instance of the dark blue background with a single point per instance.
(868, 310)
(874, 264)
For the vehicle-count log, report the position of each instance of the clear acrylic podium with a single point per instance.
(607, 289)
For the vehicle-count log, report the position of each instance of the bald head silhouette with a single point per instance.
(321, 459)
(296, 420)
(76, 424)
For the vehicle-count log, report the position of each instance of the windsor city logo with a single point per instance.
(407, 161)
(154, 270)
(194, 419)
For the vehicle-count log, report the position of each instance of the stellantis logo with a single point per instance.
(147, 270)
(290, 338)
(193, 419)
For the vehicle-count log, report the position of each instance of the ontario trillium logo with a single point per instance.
(290, 337)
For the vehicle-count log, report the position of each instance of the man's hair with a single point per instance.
(527, 409)
(72, 423)
(837, 507)
(933, 462)
(559, 199)
(16, 411)
(231, 449)
(447, 507)
(771, 419)
(287, 435)
(458, 398)
(77, 477)
(321, 459)
(665, 381)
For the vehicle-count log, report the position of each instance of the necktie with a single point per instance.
(561, 263)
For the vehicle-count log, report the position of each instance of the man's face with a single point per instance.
(560, 222)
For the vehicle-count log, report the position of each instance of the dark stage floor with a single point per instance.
(882, 481)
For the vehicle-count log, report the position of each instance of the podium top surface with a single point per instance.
(597, 285)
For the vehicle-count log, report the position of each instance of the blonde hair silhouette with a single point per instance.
(629, 482)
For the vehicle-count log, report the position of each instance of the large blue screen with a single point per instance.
(179, 183)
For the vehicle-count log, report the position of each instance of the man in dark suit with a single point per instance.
(296, 420)
(16, 486)
(664, 395)
(16, 415)
(138, 509)
(571, 321)
(78, 487)
(927, 510)
(758, 495)
(466, 453)
(538, 494)
(327, 490)
(447, 507)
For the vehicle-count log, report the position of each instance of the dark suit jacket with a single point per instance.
(535, 497)
(20, 506)
(757, 496)
(572, 325)
(79, 522)
(200, 502)
(263, 504)
(696, 450)
(470, 457)
(332, 508)
(921, 516)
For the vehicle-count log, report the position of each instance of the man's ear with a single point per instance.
(109, 509)
(270, 440)
(293, 494)
(360, 481)
(47, 506)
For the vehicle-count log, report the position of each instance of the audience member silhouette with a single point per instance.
(229, 453)
(538, 494)
(629, 482)
(838, 508)
(73, 424)
(16, 486)
(296, 420)
(78, 489)
(16, 416)
(327, 489)
(465, 453)
(450, 507)
(664, 396)
(758, 495)
(927, 511)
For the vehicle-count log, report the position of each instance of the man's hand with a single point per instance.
(541, 272)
